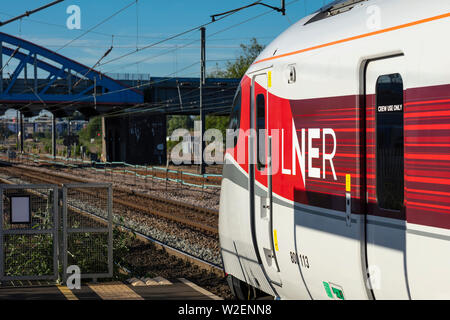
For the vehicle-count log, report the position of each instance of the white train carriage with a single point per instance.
(344, 193)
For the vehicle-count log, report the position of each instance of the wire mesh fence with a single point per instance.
(87, 229)
(28, 255)
(88, 251)
(28, 232)
(39, 243)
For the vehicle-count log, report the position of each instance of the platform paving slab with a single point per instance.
(31, 293)
(177, 290)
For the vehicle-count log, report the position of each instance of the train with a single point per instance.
(336, 184)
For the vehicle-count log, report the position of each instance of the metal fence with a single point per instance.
(37, 243)
(87, 229)
(29, 237)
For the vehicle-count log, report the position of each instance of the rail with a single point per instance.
(123, 168)
(151, 205)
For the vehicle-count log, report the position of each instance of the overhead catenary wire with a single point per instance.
(97, 25)
(89, 30)
(164, 40)
(86, 32)
(167, 78)
(93, 67)
(188, 31)
(160, 104)
(63, 105)
(66, 104)
(166, 103)
(130, 36)
(159, 107)
(9, 60)
(150, 106)
(167, 39)
(28, 13)
(152, 44)
(70, 103)
(45, 84)
(154, 56)
(136, 87)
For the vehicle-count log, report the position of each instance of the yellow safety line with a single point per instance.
(67, 292)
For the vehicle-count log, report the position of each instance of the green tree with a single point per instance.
(238, 68)
(219, 123)
(93, 128)
(178, 122)
(216, 122)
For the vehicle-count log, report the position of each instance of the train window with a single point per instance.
(261, 129)
(390, 142)
(235, 117)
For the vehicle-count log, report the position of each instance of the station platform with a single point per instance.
(181, 289)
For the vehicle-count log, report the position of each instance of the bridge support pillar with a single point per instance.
(135, 139)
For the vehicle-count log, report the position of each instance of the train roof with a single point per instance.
(345, 19)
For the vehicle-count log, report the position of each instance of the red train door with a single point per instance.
(385, 210)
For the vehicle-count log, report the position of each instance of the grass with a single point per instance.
(32, 255)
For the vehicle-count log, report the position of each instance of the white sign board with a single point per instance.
(20, 210)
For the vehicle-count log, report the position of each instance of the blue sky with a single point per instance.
(148, 22)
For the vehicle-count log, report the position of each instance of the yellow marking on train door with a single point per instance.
(275, 239)
(348, 183)
(269, 79)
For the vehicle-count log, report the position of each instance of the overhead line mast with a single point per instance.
(202, 83)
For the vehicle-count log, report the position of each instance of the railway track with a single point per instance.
(187, 175)
(195, 217)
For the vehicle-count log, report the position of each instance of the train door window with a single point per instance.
(261, 130)
(390, 142)
(235, 117)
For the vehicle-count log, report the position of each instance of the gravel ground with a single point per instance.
(145, 260)
(208, 198)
